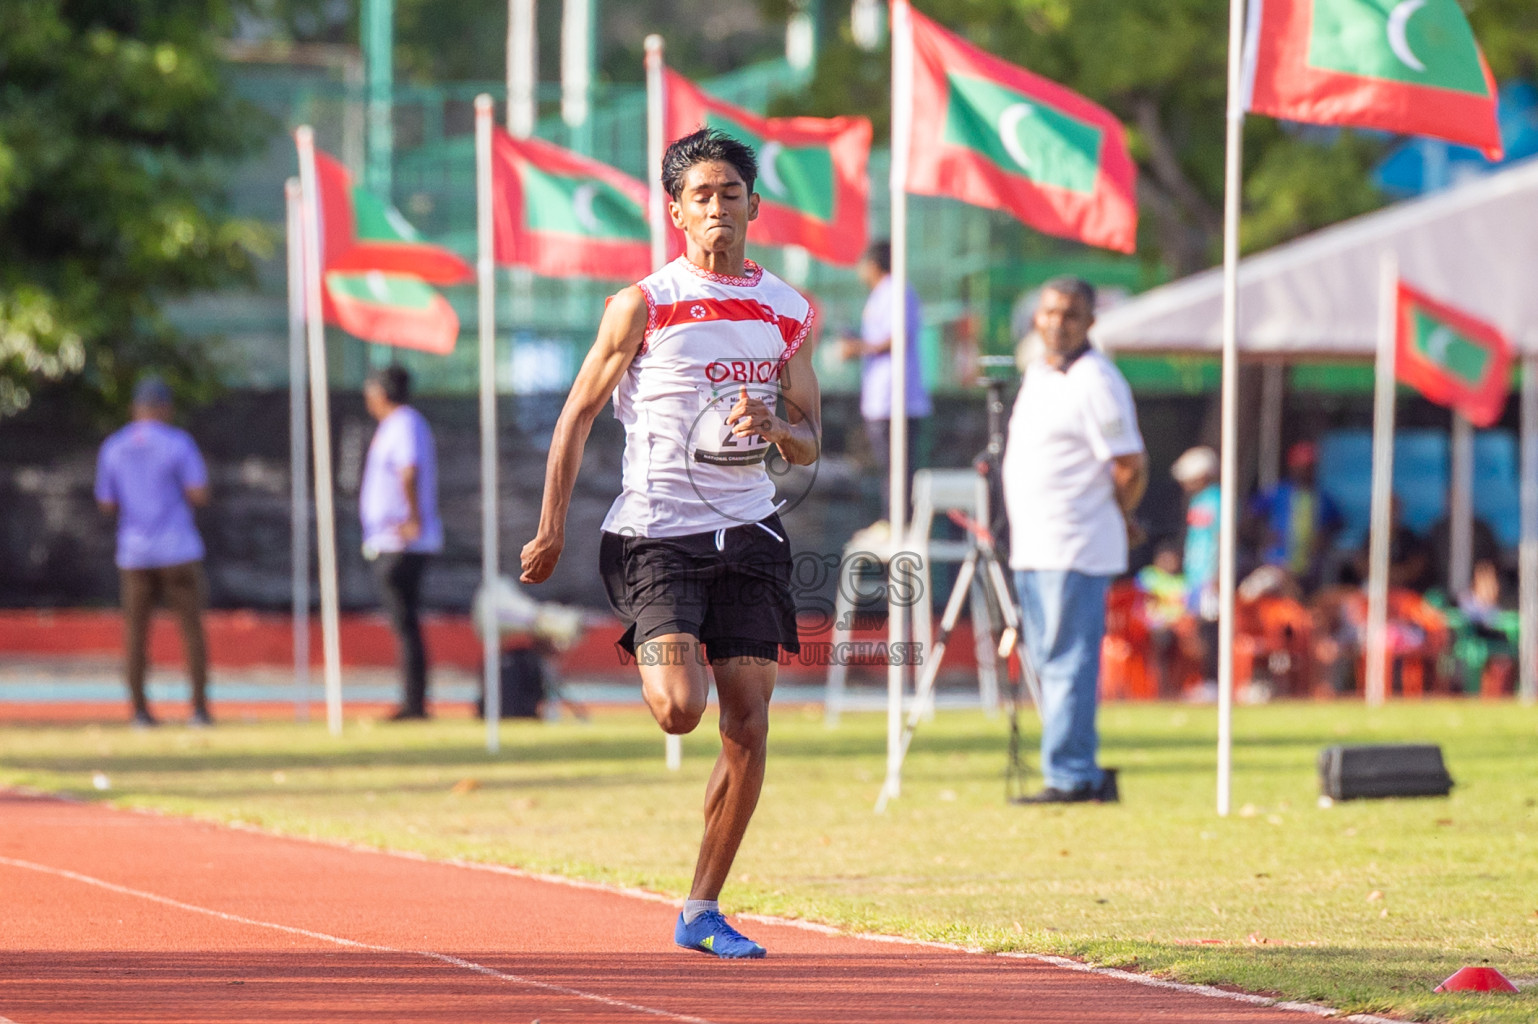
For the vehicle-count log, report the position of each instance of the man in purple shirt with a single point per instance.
(398, 503)
(874, 348)
(150, 475)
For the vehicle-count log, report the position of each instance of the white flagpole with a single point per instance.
(1382, 484)
(485, 268)
(1528, 549)
(657, 216)
(298, 445)
(522, 68)
(897, 624)
(320, 416)
(656, 129)
(1228, 473)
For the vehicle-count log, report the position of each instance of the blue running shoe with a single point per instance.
(709, 933)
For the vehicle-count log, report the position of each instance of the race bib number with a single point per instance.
(712, 441)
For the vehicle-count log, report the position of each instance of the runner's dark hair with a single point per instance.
(706, 145)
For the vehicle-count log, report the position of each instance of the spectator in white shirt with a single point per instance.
(1074, 470)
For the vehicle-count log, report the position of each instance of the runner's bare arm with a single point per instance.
(798, 434)
(620, 334)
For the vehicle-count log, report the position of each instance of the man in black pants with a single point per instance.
(398, 503)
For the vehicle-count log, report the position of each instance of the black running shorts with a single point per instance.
(729, 588)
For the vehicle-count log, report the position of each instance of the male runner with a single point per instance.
(693, 556)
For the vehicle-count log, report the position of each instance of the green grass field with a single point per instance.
(1364, 906)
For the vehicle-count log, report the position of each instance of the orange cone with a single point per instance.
(1476, 979)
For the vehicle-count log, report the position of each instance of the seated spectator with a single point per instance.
(1409, 556)
(1491, 657)
(1486, 547)
(1170, 628)
(1294, 524)
(1163, 586)
(1197, 473)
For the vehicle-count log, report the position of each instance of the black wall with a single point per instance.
(56, 549)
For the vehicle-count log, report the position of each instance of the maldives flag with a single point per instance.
(1409, 66)
(390, 309)
(361, 232)
(562, 214)
(812, 185)
(1451, 357)
(993, 134)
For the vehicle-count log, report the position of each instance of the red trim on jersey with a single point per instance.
(754, 273)
(651, 317)
(804, 330)
(699, 311)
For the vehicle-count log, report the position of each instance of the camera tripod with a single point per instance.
(983, 570)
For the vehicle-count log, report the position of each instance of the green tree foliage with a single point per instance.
(114, 120)
(1161, 66)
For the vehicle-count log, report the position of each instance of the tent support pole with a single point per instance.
(1460, 507)
(1273, 397)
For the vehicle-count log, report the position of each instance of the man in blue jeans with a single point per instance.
(1074, 470)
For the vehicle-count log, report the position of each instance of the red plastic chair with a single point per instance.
(1126, 671)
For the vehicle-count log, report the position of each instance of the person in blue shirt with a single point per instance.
(150, 475)
(1295, 522)
(398, 503)
(1196, 471)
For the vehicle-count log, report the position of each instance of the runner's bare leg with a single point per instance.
(743, 686)
(674, 681)
(676, 685)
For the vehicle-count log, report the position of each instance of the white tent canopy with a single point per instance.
(1474, 246)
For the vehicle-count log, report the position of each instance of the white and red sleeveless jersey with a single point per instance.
(707, 335)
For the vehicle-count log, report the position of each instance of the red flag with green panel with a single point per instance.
(1409, 66)
(390, 309)
(1452, 358)
(813, 187)
(362, 232)
(996, 135)
(562, 214)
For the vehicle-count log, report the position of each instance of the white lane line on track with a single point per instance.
(1149, 980)
(427, 954)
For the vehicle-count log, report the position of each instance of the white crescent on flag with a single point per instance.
(582, 207)
(1398, 25)
(766, 169)
(1437, 344)
(1009, 132)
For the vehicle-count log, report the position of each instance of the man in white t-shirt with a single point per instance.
(1074, 471)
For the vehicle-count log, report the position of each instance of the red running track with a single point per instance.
(117, 916)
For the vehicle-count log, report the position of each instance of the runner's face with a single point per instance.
(714, 206)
